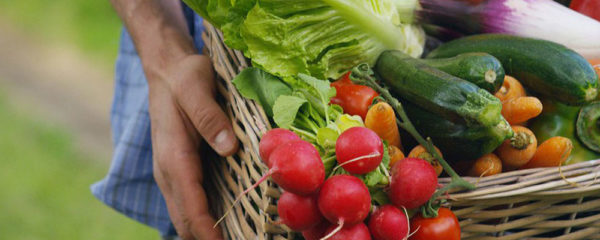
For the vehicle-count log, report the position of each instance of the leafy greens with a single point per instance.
(301, 104)
(321, 38)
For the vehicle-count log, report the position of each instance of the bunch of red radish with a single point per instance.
(337, 207)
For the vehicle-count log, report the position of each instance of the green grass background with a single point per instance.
(44, 178)
(45, 182)
(89, 25)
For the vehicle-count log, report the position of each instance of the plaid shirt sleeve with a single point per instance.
(129, 186)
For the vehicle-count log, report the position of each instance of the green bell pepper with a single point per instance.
(559, 120)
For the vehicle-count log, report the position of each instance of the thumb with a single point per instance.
(197, 99)
(214, 126)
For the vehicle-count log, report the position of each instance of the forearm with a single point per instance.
(159, 31)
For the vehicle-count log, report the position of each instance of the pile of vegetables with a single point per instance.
(368, 118)
(338, 169)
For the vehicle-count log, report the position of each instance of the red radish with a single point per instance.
(359, 150)
(295, 166)
(355, 232)
(413, 183)
(316, 232)
(389, 223)
(345, 200)
(273, 139)
(299, 212)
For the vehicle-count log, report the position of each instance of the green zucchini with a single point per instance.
(588, 126)
(482, 69)
(453, 98)
(457, 141)
(544, 67)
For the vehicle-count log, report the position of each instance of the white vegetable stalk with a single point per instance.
(543, 19)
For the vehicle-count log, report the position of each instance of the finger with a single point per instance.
(180, 170)
(191, 200)
(162, 121)
(176, 217)
(190, 225)
(195, 95)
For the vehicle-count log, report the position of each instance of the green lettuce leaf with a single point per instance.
(335, 111)
(378, 176)
(327, 136)
(286, 109)
(345, 121)
(322, 38)
(261, 86)
(316, 91)
(378, 196)
(385, 161)
(373, 178)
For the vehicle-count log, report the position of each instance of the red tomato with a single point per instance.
(353, 98)
(444, 226)
(343, 80)
(591, 8)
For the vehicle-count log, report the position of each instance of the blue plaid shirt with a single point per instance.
(129, 186)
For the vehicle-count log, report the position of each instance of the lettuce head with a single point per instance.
(322, 38)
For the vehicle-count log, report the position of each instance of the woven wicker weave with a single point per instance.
(550, 203)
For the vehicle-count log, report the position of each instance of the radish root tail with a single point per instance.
(373, 154)
(239, 197)
(336, 230)
(484, 173)
(408, 221)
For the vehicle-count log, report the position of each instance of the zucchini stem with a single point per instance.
(490, 76)
(362, 74)
(591, 94)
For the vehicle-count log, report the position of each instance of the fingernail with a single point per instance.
(223, 142)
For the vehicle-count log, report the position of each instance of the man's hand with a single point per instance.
(180, 108)
(183, 111)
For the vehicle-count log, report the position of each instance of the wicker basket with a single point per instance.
(550, 203)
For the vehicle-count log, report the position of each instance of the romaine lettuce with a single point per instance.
(322, 38)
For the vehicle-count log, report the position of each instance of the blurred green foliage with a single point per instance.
(90, 25)
(44, 179)
(44, 185)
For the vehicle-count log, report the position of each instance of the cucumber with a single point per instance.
(544, 67)
(453, 98)
(482, 69)
(588, 126)
(457, 141)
